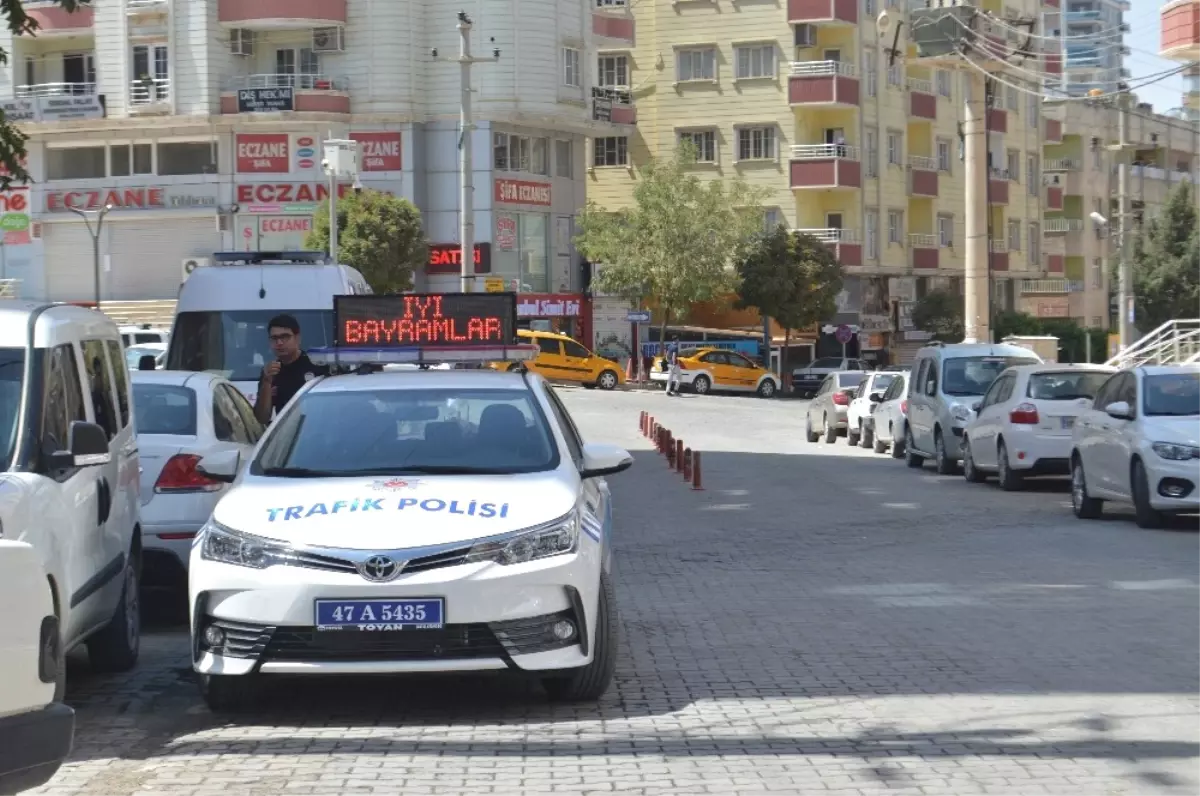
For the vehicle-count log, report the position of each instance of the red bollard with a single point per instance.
(642, 422)
(687, 464)
(696, 472)
(658, 438)
(650, 424)
(670, 449)
(679, 456)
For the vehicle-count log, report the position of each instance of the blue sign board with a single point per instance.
(638, 316)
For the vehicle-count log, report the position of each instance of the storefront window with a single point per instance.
(76, 163)
(188, 157)
(520, 250)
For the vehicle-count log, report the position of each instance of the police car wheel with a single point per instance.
(115, 648)
(227, 693)
(588, 683)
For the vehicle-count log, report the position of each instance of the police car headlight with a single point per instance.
(227, 546)
(551, 539)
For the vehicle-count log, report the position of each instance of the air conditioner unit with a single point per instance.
(329, 40)
(241, 41)
(191, 264)
(805, 35)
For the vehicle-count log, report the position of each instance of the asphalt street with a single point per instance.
(818, 619)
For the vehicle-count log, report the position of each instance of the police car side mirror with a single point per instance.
(600, 459)
(87, 446)
(222, 466)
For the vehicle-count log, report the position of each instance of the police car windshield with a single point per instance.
(396, 431)
(236, 345)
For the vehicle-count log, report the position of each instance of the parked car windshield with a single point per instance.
(827, 363)
(973, 375)
(12, 377)
(1172, 394)
(235, 345)
(164, 409)
(849, 379)
(883, 382)
(1066, 385)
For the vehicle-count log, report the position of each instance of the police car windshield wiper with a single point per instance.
(300, 472)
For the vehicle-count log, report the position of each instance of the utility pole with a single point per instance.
(976, 290)
(1124, 272)
(466, 226)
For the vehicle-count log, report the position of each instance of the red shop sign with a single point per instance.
(380, 151)
(446, 258)
(270, 193)
(522, 192)
(263, 153)
(535, 305)
(121, 198)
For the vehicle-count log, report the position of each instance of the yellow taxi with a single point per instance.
(708, 369)
(560, 358)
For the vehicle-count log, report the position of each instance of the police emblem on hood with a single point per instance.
(395, 484)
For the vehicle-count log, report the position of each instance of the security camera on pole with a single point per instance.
(342, 159)
(466, 127)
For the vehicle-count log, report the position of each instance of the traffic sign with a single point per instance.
(638, 316)
(844, 334)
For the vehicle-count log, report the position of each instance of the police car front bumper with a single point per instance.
(495, 617)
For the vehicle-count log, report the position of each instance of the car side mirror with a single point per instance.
(221, 466)
(147, 362)
(1119, 410)
(875, 397)
(87, 446)
(931, 387)
(600, 459)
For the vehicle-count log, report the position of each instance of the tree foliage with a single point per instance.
(1166, 262)
(676, 244)
(940, 312)
(791, 277)
(1073, 345)
(378, 234)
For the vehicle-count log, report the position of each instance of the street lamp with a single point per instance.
(342, 159)
(86, 215)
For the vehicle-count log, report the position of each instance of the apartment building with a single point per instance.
(1181, 42)
(1090, 36)
(804, 100)
(201, 122)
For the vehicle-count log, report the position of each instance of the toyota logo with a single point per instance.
(380, 568)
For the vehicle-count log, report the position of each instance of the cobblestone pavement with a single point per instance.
(818, 620)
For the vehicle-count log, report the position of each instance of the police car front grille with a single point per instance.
(314, 561)
(451, 641)
(449, 558)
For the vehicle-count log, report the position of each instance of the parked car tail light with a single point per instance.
(1025, 414)
(904, 408)
(179, 474)
(841, 399)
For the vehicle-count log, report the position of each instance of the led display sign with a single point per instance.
(432, 319)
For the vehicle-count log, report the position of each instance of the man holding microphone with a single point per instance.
(284, 377)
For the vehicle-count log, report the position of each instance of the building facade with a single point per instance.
(1091, 38)
(1181, 42)
(201, 122)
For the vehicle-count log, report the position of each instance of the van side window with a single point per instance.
(550, 345)
(100, 386)
(62, 401)
(917, 384)
(120, 374)
(931, 378)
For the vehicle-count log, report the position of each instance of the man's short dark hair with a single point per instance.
(284, 321)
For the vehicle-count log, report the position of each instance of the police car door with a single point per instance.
(597, 500)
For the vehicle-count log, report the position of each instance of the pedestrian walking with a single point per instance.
(284, 377)
(673, 370)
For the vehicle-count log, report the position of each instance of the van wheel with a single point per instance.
(225, 693)
(115, 648)
(588, 683)
(913, 460)
(607, 380)
(945, 465)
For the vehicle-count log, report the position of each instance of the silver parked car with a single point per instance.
(827, 410)
(181, 416)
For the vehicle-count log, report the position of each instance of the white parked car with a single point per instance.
(181, 417)
(145, 335)
(134, 354)
(888, 420)
(862, 404)
(1139, 443)
(427, 521)
(1023, 425)
(36, 728)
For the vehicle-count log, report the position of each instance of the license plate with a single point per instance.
(422, 613)
(1067, 422)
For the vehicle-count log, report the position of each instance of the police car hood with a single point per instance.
(392, 513)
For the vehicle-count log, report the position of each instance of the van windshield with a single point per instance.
(234, 344)
(12, 376)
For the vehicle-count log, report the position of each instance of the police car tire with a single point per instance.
(224, 693)
(115, 648)
(588, 683)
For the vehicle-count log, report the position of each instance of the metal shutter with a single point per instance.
(147, 256)
(67, 255)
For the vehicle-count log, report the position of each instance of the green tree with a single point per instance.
(941, 313)
(1166, 262)
(677, 244)
(378, 234)
(791, 277)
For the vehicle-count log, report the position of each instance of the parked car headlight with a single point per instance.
(227, 546)
(554, 538)
(1176, 452)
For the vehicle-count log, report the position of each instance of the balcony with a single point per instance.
(1053, 131)
(150, 95)
(813, 84)
(923, 250)
(277, 14)
(997, 120)
(825, 167)
(922, 102)
(1056, 263)
(614, 105)
(1054, 64)
(844, 243)
(1050, 286)
(922, 176)
(1061, 226)
(1080, 17)
(54, 90)
(53, 21)
(998, 187)
(998, 256)
(817, 11)
(1054, 198)
(1061, 164)
(613, 29)
(137, 8)
(281, 93)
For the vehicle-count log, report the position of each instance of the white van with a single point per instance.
(223, 309)
(69, 481)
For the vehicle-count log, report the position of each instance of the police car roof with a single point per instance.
(423, 380)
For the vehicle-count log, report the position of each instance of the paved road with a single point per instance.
(818, 620)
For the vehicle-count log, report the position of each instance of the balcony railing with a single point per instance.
(832, 234)
(1061, 164)
(822, 69)
(149, 91)
(133, 6)
(1061, 225)
(300, 82)
(55, 90)
(824, 151)
(999, 174)
(998, 246)
(1051, 286)
(921, 162)
(923, 86)
(919, 240)
(617, 96)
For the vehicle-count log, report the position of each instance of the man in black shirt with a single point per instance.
(284, 377)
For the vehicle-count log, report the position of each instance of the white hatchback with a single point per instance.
(1023, 425)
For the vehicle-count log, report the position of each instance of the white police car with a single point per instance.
(411, 521)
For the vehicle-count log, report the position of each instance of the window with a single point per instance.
(942, 79)
(564, 159)
(1097, 158)
(872, 75)
(164, 409)
(79, 69)
(188, 157)
(1033, 109)
(570, 74)
(705, 142)
(567, 426)
(1031, 174)
(869, 7)
(872, 221)
(945, 226)
(1014, 236)
(77, 163)
(126, 160)
(757, 61)
(895, 147)
(756, 143)
(610, 151)
(296, 67)
(540, 160)
(234, 344)
(1097, 273)
(895, 76)
(1014, 165)
(121, 376)
(772, 219)
(100, 383)
(574, 349)
(518, 153)
(500, 151)
(550, 345)
(895, 226)
(228, 425)
(253, 427)
(1035, 243)
(943, 155)
(63, 400)
(697, 64)
(613, 71)
(872, 153)
(151, 78)
(1010, 99)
